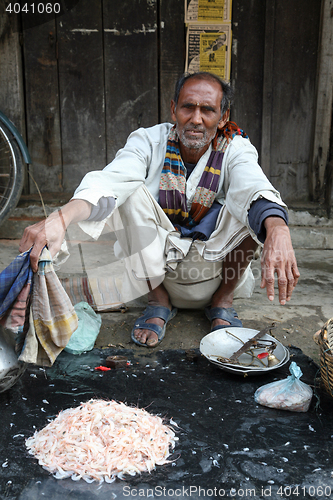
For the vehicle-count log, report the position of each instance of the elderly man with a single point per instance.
(198, 186)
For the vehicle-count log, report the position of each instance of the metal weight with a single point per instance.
(11, 368)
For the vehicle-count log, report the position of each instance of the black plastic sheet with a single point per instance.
(229, 446)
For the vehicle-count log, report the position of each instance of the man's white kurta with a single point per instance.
(133, 179)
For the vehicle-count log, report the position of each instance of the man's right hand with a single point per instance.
(51, 232)
(278, 257)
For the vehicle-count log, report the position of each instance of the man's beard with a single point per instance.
(195, 143)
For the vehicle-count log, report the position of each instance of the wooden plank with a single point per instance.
(42, 105)
(296, 35)
(172, 52)
(267, 106)
(131, 70)
(81, 84)
(11, 78)
(323, 115)
(248, 34)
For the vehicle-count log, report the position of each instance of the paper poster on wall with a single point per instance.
(208, 48)
(207, 10)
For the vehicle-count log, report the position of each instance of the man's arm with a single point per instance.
(278, 257)
(51, 232)
(115, 181)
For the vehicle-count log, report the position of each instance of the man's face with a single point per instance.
(198, 115)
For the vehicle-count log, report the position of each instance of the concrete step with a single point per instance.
(310, 231)
(13, 227)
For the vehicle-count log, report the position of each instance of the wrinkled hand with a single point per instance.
(51, 232)
(278, 257)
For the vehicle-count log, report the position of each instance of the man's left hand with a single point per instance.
(278, 257)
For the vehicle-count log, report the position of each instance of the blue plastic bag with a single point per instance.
(287, 394)
(83, 339)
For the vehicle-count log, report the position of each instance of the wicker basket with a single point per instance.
(323, 339)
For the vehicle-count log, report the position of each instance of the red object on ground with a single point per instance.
(102, 368)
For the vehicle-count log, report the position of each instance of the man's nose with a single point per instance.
(196, 117)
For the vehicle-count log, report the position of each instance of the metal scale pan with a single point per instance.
(223, 343)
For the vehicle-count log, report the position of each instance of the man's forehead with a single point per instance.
(204, 88)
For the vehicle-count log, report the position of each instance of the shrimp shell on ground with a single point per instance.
(101, 440)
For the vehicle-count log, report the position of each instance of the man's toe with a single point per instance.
(146, 337)
(152, 340)
(139, 335)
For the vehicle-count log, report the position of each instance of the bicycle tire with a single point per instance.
(12, 173)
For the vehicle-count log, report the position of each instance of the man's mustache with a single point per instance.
(194, 128)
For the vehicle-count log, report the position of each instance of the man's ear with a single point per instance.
(173, 109)
(224, 120)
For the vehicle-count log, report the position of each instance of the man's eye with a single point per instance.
(191, 107)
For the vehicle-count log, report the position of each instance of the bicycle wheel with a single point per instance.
(12, 171)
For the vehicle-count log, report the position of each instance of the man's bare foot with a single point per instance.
(148, 336)
(157, 297)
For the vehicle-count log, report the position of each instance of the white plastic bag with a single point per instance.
(288, 394)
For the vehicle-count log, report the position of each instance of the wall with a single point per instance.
(80, 83)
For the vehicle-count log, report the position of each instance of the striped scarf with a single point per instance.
(172, 196)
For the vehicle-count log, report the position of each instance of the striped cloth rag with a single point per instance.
(103, 294)
(36, 309)
(13, 280)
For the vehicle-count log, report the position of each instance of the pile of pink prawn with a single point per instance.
(101, 440)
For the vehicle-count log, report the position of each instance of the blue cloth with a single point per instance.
(259, 211)
(13, 279)
(205, 227)
(189, 168)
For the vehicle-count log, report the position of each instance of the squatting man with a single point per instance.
(198, 186)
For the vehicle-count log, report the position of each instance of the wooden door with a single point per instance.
(91, 77)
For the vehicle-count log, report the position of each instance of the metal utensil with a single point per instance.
(250, 342)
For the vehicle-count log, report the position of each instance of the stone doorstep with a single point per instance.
(12, 228)
(312, 237)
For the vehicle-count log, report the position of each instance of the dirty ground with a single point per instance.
(259, 454)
